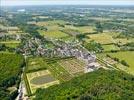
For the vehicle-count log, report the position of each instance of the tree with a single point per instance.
(93, 46)
(99, 27)
(123, 62)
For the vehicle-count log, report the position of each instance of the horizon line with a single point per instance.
(70, 5)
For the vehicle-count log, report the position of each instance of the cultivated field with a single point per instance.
(102, 38)
(86, 29)
(40, 79)
(59, 72)
(53, 34)
(73, 66)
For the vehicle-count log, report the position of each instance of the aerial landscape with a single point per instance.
(66, 52)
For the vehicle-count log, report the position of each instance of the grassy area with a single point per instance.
(12, 43)
(29, 92)
(81, 29)
(122, 41)
(47, 23)
(110, 47)
(103, 38)
(53, 34)
(35, 64)
(126, 55)
(86, 29)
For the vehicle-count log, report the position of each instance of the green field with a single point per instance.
(35, 64)
(123, 41)
(53, 34)
(12, 43)
(128, 56)
(103, 38)
(81, 29)
(59, 72)
(110, 47)
(49, 23)
(86, 29)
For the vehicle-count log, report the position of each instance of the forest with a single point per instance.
(11, 68)
(100, 84)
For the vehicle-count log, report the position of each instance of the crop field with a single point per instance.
(110, 47)
(73, 66)
(59, 72)
(102, 38)
(53, 34)
(35, 63)
(40, 79)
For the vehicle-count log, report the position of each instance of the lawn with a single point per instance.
(103, 38)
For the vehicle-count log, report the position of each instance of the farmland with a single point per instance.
(35, 64)
(44, 72)
(40, 79)
(110, 47)
(102, 38)
(66, 52)
(126, 55)
(73, 66)
(53, 34)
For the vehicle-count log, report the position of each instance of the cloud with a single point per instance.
(66, 2)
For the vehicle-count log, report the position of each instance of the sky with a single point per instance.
(65, 2)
